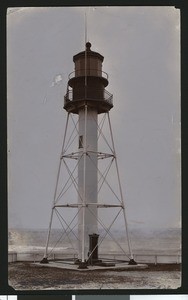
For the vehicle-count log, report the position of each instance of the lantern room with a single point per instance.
(87, 83)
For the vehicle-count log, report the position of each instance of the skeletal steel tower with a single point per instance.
(87, 98)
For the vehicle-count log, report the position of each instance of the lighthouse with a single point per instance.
(87, 98)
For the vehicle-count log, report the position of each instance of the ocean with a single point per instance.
(163, 245)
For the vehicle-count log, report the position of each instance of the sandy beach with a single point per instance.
(26, 276)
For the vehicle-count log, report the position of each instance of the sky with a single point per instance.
(141, 49)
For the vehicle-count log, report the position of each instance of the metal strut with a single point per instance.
(81, 207)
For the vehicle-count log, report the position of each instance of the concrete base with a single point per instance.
(71, 266)
(44, 261)
(82, 265)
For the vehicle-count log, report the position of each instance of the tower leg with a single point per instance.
(45, 258)
(121, 194)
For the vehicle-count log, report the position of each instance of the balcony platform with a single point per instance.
(74, 106)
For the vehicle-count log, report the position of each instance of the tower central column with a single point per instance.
(87, 179)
